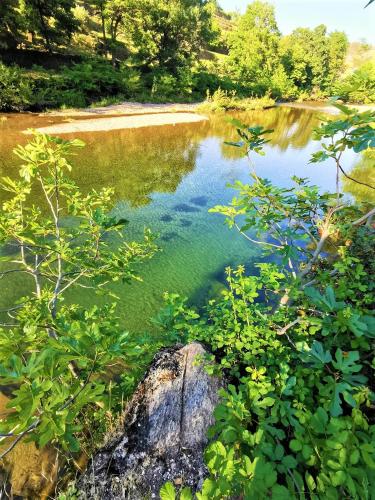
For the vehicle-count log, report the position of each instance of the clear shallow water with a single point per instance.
(166, 178)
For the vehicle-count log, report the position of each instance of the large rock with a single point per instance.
(163, 434)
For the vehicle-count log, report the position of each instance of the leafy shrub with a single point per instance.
(282, 86)
(85, 83)
(295, 341)
(54, 357)
(222, 100)
(15, 89)
(164, 84)
(359, 87)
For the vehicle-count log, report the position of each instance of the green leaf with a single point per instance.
(279, 492)
(168, 492)
(186, 494)
(295, 445)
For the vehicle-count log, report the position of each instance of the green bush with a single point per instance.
(359, 87)
(15, 89)
(295, 340)
(223, 100)
(85, 83)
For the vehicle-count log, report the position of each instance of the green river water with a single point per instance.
(166, 178)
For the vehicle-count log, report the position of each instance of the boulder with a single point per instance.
(163, 431)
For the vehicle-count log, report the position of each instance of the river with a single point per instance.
(166, 178)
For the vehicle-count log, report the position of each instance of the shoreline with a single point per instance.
(127, 108)
(324, 106)
(105, 124)
(131, 115)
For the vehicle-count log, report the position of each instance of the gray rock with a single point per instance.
(163, 434)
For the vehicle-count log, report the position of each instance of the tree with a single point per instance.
(337, 48)
(54, 355)
(254, 43)
(53, 20)
(167, 34)
(312, 58)
(115, 12)
(11, 23)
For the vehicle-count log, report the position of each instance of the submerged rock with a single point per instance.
(201, 201)
(184, 207)
(166, 218)
(163, 432)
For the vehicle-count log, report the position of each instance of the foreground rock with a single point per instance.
(163, 434)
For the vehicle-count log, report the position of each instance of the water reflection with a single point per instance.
(363, 171)
(139, 162)
(166, 178)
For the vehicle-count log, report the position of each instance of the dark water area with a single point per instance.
(166, 178)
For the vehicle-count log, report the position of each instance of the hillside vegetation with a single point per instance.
(76, 53)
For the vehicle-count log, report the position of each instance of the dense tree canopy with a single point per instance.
(254, 43)
(52, 20)
(12, 23)
(312, 58)
(168, 33)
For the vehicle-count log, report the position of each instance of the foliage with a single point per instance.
(15, 89)
(11, 24)
(358, 86)
(85, 83)
(168, 34)
(254, 43)
(222, 100)
(295, 339)
(54, 355)
(51, 19)
(312, 58)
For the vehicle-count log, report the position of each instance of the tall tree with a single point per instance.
(167, 33)
(337, 48)
(254, 43)
(53, 20)
(312, 58)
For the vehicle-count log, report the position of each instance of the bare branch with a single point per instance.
(363, 219)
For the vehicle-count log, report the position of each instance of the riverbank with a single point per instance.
(128, 108)
(98, 124)
(132, 115)
(325, 106)
(146, 108)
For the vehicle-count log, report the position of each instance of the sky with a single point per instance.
(343, 15)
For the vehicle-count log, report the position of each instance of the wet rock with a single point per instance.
(185, 223)
(162, 436)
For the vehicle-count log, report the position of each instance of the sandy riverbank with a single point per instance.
(128, 108)
(121, 122)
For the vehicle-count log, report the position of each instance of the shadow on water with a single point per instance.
(185, 223)
(166, 218)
